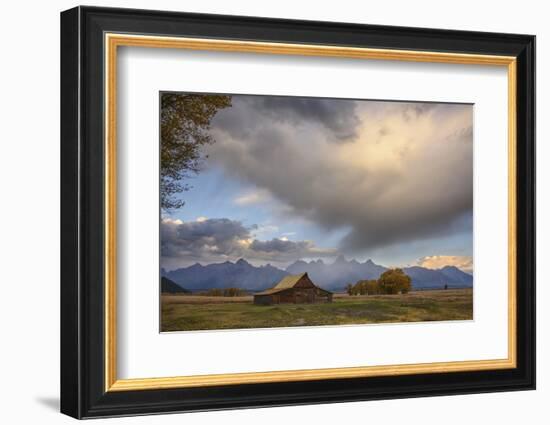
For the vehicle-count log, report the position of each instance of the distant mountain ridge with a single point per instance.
(240, 274)
(338, 274)
(334, 276)
(432, 278)
(168, 286)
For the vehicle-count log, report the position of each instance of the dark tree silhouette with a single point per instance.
(184, 124)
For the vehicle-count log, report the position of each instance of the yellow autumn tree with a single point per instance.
(394, 281)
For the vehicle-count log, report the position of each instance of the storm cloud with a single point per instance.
(222, 239)
(404, 172)
(336, 117)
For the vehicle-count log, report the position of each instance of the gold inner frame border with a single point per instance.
(111, 43)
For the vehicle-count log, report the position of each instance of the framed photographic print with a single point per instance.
(261, 212)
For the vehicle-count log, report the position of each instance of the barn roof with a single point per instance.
(289, 281)
(286, 282)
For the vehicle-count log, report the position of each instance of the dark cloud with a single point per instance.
(337, 117)
(294, 249)
(196, 239)
(221, 239)
(415, 182)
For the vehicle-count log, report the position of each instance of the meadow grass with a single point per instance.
(189, 313)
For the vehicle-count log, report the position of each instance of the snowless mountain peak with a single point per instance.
(332, 276)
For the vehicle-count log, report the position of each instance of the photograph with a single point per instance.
(282, 210)
(288, 211)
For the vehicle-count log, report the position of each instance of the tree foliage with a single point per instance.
(184, 124)
(394, 281)
(364, 287)
(227, 292)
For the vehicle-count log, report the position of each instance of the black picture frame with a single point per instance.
(83, 392)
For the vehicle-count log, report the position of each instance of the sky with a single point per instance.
(291, 178)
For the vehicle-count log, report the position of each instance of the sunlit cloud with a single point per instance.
(251, 198)
(221, 239)
(390, 172)
(462, 262)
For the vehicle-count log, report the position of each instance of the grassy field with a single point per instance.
(194, 312)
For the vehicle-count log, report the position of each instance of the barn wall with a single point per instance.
(263, 299)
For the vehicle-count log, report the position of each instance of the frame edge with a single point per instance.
(70, 349)
(80, 395)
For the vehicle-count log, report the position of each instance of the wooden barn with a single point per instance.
(293, 289)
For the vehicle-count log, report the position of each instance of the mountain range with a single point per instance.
(168, 286)
(334, 276)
